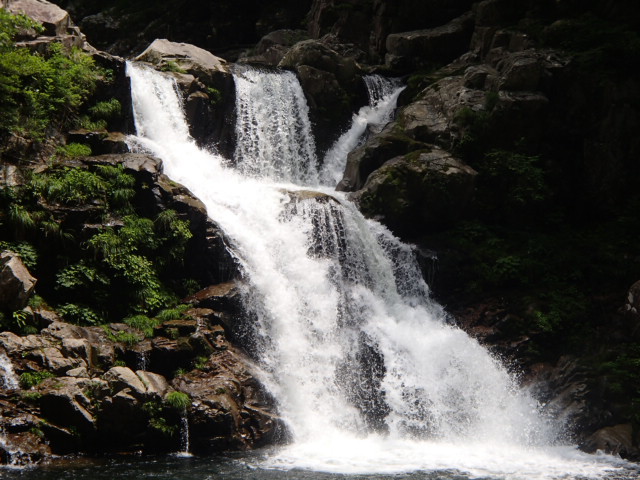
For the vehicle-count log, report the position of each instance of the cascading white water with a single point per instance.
(273, 137)
(8, 378)
(383, 95)
(368, 374)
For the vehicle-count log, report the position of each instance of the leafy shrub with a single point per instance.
(79, 314)
(177, 400)
(31, 379)
(107, 110)
(73, 150)
(172, 313)
(40, 90)
(74, 186)
(142, 323)
(25, 250)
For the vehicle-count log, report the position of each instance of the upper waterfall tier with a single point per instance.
(273, 131)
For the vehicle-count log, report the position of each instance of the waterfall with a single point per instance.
(184, 437)
(273, 138)
(383, 94)
(9, 380)
(369, 375)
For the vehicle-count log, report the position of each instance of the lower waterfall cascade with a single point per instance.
(368, 374)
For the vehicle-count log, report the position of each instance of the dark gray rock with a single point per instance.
(16, 283)
(410, 50)
(419, 192)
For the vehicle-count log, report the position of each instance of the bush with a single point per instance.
(73, 150)
(39, 91)
(177, 400)
(31, 379)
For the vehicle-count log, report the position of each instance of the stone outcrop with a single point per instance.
(16, 283)
(84, 390)
(54, 19)
(172, 55)
(331, 83)
(272, 48)
(418, 192)
(207, 86)
(408, 51)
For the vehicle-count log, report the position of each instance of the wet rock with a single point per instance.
(224, 296)
(123, 378)
(331, 85)
(64, 403)
(16, 283)
(227, 410)
(156, 385)
(377, 150)
(615, 440)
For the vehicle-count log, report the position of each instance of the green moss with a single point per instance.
(172, 66)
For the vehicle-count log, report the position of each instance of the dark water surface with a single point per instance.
(231, 467)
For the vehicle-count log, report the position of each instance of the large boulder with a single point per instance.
(229, 408)
(208, 90)
(16, 283)
(418, 192)
(433, 46)
(272, 48)
(54, 19)
(615, 440)
(195, 60)
(377, 150)
(331, 82)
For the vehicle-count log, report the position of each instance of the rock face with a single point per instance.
(16, 283)
(94, 403)
(419, 191)
(331, 83)
(55, 20)
(438, 45)
(272, 48)
(188, 57)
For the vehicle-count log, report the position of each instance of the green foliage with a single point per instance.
(73, 150)
(79, 314)
(177, 400)
(128, 338)
(31, 397)
(174, 313)
(214, 95)
(74, 186)
(157, 422)
(142, 323)
(172, 66)
(11, 25)
(31, 379)
(512, 183)
(107, 110)
(201, 362)
(25, 250)
(81, 274)
(38, 91)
